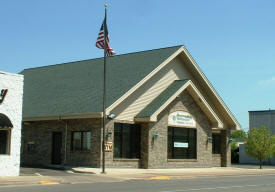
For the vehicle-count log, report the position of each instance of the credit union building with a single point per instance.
(162, 113)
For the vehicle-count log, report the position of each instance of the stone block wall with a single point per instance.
(40, 134)
(153, 151)
(216, 160)
(225, 148)
(112, 162)
(12, 108)
(158, 157)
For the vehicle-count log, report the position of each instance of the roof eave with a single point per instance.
(143, 119)
(60, 117)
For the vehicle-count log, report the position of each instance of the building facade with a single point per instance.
(162, 113)
(262, 118)
(256, 120)
(11, 98)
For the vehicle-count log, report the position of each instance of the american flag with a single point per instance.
(100, 39)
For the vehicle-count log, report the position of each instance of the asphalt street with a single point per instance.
(259, 183)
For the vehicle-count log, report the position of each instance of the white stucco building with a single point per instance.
(11, 95)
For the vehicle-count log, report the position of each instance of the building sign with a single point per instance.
(3, 95)
(180, 145)
(181, 119)
(109, 146)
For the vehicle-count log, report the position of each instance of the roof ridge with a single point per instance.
(100, 58)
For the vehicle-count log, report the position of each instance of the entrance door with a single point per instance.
(56, 147)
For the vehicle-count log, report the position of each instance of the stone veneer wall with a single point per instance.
(153, 153)
(40, 133)
(216, 160)
(12, 107)
(110, 161)
(225, 148)
(157, 156)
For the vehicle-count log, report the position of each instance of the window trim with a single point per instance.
(9, 130)
(81, 144)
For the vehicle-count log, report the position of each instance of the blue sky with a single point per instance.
(232, 41)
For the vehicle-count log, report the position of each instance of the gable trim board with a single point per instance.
(168, 95)
(183, 50)
(238, 126)
(139, 84)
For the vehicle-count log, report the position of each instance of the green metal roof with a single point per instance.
(152, 107)
(77, 87)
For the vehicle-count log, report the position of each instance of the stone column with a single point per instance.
(225, 148)
(144, 145)
(109, 137)
(157, 144)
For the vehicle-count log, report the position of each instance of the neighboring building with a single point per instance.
(11, 97)
(166, 113)
(262, 118)
(256, 120)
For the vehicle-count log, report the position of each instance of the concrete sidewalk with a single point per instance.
(93, 175)
(173, 173)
